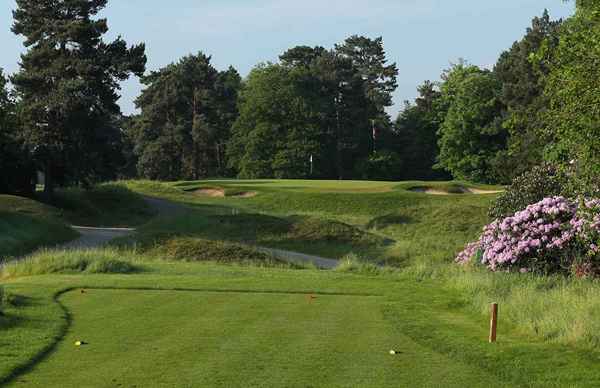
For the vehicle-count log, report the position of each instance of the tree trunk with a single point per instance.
(48, 181)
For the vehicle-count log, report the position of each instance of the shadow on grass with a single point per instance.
(49, 348)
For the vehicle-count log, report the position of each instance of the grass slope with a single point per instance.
(383, 221)
(26, 225)
(105, 205)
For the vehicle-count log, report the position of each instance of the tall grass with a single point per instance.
(552, 308)
(107, 205)
(105, 260)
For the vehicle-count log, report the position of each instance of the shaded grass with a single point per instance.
(26, 225)
(105, 205)
(177, 248)
(299, 233)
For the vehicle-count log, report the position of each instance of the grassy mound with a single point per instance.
(101, 261)
(310, 235)
(26, 225)
(106, 205)
(196, 249)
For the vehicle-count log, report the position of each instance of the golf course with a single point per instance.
(193, 298)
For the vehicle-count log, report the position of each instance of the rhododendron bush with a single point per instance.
(553, 235)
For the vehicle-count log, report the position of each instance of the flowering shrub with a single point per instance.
(553, 235)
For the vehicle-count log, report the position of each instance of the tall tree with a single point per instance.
(344, 107)
(301, 56)
(369, 57)
(573, 90)
(471, 136)
(312, 106)
(68, 83)
(187, 107)
(522, 93)
(416, 128)
(275, 133)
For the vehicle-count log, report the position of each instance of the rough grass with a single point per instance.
(298, 233)
(26, 225)
(385, 221)
(556, 309)
(97, 261)
(105, 205)
(190, 249)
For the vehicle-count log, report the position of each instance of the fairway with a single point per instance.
(197, 338)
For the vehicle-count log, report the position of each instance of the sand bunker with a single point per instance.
(220, 193)
(456, 190)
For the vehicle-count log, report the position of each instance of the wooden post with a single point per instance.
(493, 322)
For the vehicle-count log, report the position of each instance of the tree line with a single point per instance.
(316, 113)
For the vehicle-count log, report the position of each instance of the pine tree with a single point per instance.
(68, 83)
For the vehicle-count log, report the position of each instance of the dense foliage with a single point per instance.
(187, 111)
(550, 236)
(416, 139)
(530, 187)
(523, 97)
(573, 116)
(67, 87)
(315, 114)
(471, 136)
(17, 171)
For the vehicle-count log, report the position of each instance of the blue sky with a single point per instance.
(422, 36)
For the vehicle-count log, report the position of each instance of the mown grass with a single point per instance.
(181, 323)
(105, 205)
(26, 225)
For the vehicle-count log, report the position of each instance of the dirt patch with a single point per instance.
(457, 190)
(220, 193)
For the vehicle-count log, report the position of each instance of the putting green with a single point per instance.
(231, 339)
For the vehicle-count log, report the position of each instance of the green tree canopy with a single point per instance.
(573, 91)
(187, 109)
(312, 106)
(522, 93)
(471, 135)
(417, 127)
(67, 85)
